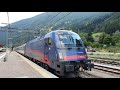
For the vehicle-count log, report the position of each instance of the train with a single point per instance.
(61, 51)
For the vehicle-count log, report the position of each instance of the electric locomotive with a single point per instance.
(62, 51)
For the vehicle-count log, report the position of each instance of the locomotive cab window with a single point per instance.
(48, 41)
(70, 40)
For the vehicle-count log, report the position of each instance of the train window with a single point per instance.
(49, 41)
(78, 41)
(70, 40)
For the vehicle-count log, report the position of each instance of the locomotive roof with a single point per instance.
(50, 34)
(60, 31)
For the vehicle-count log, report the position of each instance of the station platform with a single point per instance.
(17, 66)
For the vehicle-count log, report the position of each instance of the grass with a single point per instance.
(96, 34)
(108, 55)
(91, 53)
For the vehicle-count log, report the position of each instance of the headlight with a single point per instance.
(61, 56)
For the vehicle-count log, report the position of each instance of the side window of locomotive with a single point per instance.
(49, 42)
(78, 43)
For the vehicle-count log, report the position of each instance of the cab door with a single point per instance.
(46, 50)
(50, 52)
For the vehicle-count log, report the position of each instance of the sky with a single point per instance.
(16, 16)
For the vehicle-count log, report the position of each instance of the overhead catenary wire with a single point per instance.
(31, 30)
(59, 19)
(49, 20)
(46, 24)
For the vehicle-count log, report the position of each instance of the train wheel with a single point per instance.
(43, 65)
(34, 60)
(46, 67)
(40, 64)
(30, 58)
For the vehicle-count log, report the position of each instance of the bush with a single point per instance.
(89, 43)
(118, 55)
(91, 53)
(113, 49)
(96, 45)
(118, 44)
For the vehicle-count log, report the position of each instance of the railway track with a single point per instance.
(106, 68)
(105, 61)
(108, 65)
(103, 57)
(102, 71)
(87, 75)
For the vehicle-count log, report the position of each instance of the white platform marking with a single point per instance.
(22, 77)
(2, 55)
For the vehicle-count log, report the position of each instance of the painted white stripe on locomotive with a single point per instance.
(80, 52)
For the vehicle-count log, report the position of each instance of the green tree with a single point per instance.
(96, 45)
(102, 36)
(88, 43)
(118, 44)
(116, 36)
(89, 38)
(107, 40)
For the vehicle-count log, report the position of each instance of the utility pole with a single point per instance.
(7, 38)
(7, 31)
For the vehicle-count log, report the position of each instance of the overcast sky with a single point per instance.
(16, 16)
